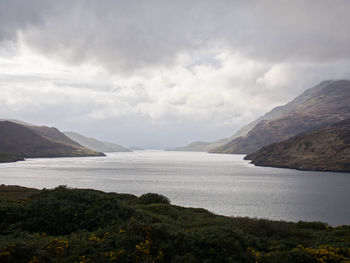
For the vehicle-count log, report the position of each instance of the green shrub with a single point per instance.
(75, 225)
(151, 198)
(62, 211)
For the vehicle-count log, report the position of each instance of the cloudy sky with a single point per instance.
(162, 73)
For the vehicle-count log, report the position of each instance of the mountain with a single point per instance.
(196, 147)
(201, 146)
(28, 142)
(273, 114)
(7, 158)
(94, 144)
(54, 134)
(327, 149)
(18, 122)
(323, 105)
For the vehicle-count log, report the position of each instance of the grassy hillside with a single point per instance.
(76, 225)
(94, 144)
(327, 149)
(16, 192)
(6, 158)
(54, 134)
(27, 142)
(324, 105)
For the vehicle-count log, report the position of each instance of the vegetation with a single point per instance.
(310, 151)
(15, 192)
(95, 145)
(18, 141)
(6, 158)
(76, 225)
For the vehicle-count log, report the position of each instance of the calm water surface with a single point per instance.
(224, 184)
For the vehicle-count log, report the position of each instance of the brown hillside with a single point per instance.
(23, 142)
(327, 105)
(327, 149)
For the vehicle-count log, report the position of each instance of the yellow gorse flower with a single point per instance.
(255, 253)
(148, 253)
(84, 259)
(7, 251)
(326, 254)
(59, 247)
(97, 239)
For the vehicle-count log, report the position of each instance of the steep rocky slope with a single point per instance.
(327, 149)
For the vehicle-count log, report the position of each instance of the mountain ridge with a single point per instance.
(21, 142)
(272, 114)
(326, 149)
(54, 134)
(320, 106)
(94, 144)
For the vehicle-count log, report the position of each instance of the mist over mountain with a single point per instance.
(54, 134)
(325, 104)
(18, 122)
(273, 114)
(95, 144)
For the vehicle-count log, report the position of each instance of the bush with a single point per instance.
(151, 198)
(92, 226)
(62, 211)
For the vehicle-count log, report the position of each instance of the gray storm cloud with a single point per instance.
(134, 34)
(165, 64)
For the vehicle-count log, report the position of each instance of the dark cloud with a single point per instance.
(18, 15)
(135, 34)
(167, 61)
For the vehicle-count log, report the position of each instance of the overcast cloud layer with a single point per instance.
(164, 73)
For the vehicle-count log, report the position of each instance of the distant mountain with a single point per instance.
(54, 134)
(327, 149)
(323, 105)
(201, 146)
(22, 141)
(94, 144)
(136, 148)
(273, 114)
(195, 147)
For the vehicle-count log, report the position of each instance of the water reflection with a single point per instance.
(224, 184)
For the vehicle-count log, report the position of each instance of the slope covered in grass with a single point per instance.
(327, 149)
(32, 142)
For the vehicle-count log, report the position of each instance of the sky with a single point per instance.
(164, 73)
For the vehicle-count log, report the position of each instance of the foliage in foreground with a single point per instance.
(75, 225)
